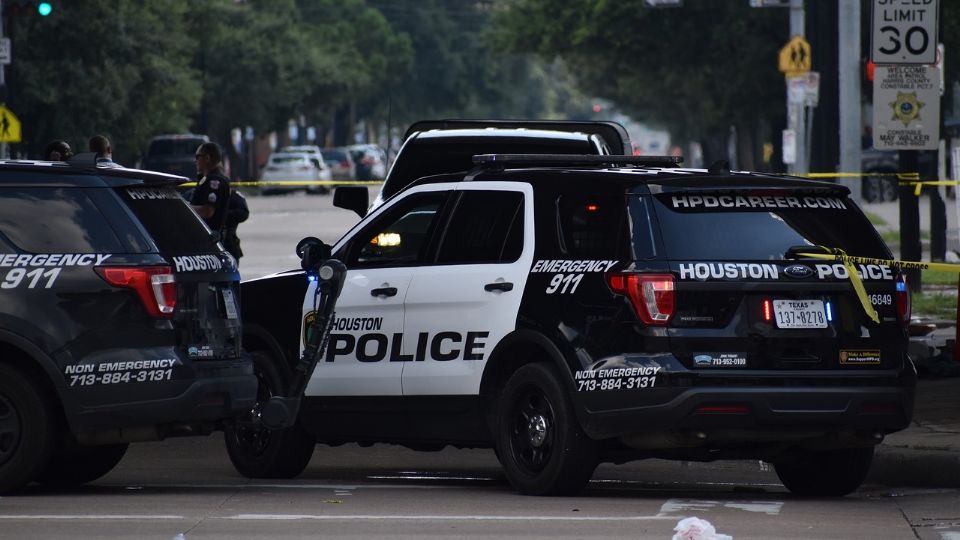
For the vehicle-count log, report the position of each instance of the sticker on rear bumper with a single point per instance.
(719, 360)
(860, 357)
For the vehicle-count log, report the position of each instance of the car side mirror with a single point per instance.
(355, 198)
(312, 252)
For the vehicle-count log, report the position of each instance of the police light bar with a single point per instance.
(504, 160)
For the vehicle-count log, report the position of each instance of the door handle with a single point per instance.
(499, 286)
(384, 291)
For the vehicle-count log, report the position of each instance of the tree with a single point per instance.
(114, 68)
(696, 70)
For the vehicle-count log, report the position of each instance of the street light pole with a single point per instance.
(796, 112)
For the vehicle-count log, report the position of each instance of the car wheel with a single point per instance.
(890, 189)
(258, 452)
(538, 440)
(27, 429)
(872, 189)
(826, 473)
(74, 465)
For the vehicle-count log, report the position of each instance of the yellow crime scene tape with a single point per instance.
(838, 255)
(297, 183)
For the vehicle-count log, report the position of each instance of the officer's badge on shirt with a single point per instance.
(212, 197)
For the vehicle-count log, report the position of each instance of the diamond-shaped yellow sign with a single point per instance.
(795, 57)
(9, 126)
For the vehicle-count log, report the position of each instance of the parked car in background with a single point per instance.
(879, 182)
(291, 171)
(341, 165)
(317, 157)
(370, 161)
(173, 154)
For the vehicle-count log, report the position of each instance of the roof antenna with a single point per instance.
(719, 167)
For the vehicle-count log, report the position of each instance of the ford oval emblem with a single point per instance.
(798, 271)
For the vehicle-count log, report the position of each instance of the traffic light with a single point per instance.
(44, 8)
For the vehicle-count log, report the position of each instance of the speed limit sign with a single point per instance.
(905, 31)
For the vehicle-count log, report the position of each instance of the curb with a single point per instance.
(902, 467)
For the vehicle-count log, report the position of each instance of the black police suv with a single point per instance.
(570, 310)
(119, 320)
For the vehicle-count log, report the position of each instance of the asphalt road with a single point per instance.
(187, 488)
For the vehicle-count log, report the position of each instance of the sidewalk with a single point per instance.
(927, 453)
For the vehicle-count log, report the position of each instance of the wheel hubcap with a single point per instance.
(537, 430)
(532, 433)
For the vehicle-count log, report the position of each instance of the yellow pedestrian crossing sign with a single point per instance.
(795, 57)
(9, 126)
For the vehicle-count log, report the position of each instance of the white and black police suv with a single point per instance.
(119, 320)
(571, 310)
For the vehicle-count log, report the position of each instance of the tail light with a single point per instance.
(652, 295)
(903, 300)
(155, 285)
(345, 163)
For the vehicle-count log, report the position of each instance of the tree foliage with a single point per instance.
(694, 70)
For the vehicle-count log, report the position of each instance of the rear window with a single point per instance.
(173, 147)
(55, 220)
(281, 160)
(334, 155)
(745, 226)
(169, 219)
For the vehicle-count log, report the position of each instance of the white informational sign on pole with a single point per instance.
(6, 55)
(789, 146)
(904, 31)
(906, 108)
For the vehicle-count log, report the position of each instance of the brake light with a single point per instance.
(767, 310)
(155, 285)
(903, 300)
(652, 295)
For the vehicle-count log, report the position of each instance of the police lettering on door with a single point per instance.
(377, 347)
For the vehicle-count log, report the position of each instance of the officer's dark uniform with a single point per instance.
(213, 190)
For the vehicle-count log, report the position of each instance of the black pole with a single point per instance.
(910, 249)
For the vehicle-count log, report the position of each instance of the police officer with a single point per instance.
(212, 194)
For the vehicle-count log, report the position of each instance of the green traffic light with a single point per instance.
(44, 8)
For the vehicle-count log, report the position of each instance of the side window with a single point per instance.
(486, 227)
(55, 220)
(400, 236)
(592, 226)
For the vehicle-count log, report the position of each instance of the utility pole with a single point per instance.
(796, 112)
(848, 72)
(3, 87)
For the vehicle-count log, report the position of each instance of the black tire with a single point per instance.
(258, 452)
(872, 189)
(28, 429)
(890, 189)
(541, 446)
(826, 473)
(74, 465)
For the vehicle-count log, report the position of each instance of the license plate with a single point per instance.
(800, 313)
(229, 303)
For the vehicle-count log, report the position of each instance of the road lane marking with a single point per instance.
(374, 517)
(88, 516)
(683, 506)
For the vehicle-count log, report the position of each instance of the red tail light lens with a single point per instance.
(767, 310)
(155, 285)
(903, 300)
(652, 295)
